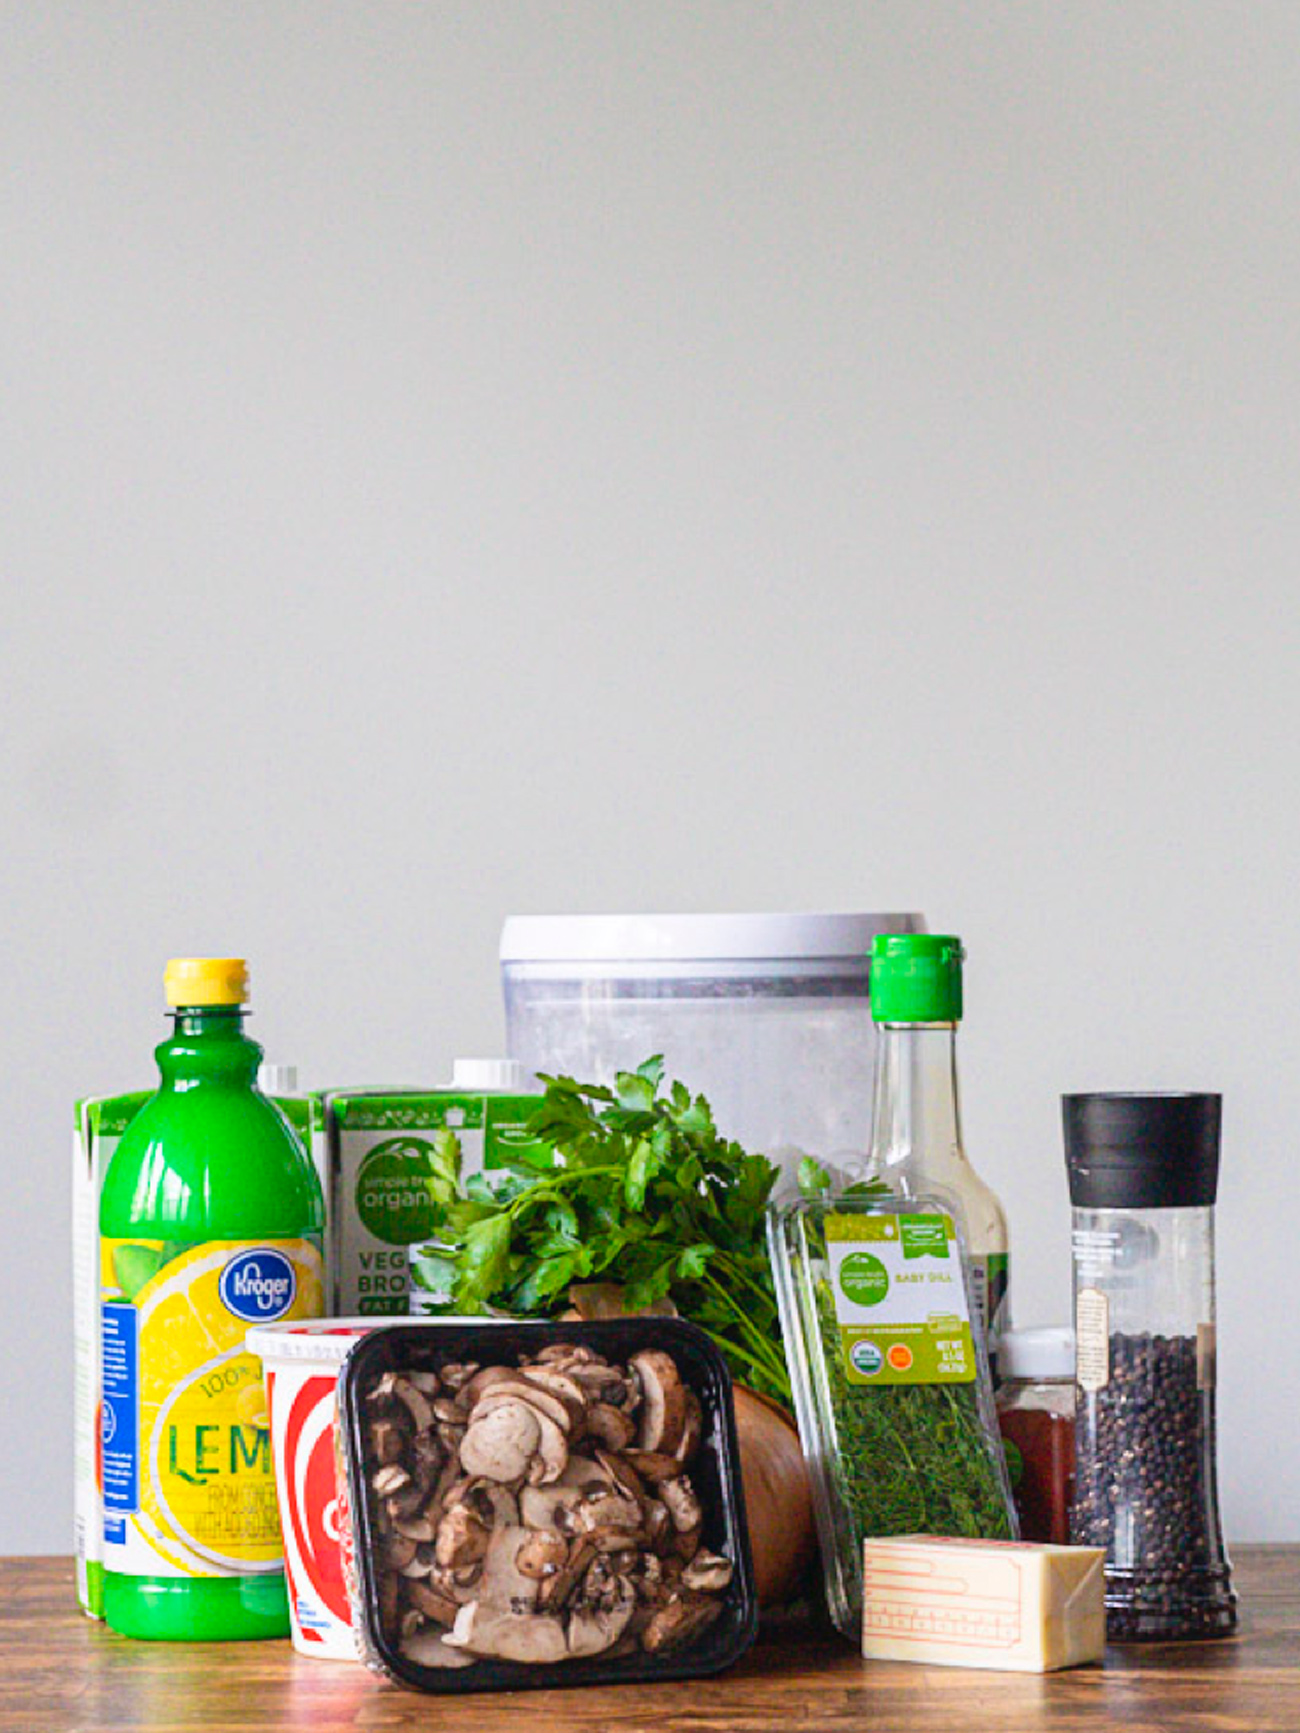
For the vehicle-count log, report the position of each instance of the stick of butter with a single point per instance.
(976, 1603)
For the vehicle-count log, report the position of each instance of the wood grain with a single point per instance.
(60, 1673)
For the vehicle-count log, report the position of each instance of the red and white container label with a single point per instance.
(309, 1512)
(301, 1372)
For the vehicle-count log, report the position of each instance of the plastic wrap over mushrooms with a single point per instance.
(540, 1512)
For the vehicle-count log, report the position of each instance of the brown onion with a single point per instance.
(778, 1496)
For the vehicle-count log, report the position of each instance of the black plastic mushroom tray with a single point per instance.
(381, 1604)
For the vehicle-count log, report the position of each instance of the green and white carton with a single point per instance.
(98, 1127)
(382, 1164)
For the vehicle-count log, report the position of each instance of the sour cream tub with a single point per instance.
(300, 1367)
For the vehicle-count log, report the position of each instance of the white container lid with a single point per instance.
(696, 938)
(329, 1341)
(321, 1341)
(493, 1076)
(1047, 1352)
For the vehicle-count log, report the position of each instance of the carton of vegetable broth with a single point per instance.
(382, 1156)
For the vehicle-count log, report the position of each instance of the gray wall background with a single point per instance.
(463, 458)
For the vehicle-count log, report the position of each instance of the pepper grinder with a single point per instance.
(1143, 1172)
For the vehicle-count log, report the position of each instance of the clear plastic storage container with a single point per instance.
(768, 1015)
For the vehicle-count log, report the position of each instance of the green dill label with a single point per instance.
(900, 1299)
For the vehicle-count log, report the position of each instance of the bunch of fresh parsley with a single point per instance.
(631, 1184)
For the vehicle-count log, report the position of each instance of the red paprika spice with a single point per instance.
(1036, 1414)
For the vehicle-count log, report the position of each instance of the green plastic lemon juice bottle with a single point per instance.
(211, 1220)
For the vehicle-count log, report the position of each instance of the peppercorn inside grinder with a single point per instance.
(1143, 1172)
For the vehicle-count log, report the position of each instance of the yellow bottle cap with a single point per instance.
(206, 981)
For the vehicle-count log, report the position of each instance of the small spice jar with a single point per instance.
(1036, 1416)
(1143, 1173)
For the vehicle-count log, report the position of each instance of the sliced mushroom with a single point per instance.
(425, 1381)
(654, 1465)
(520, 1390)
(692, 1432)
(455, 1375)
(684, 1617)
(421, 1563)
(563, 1388)
(502, 1583)
(617, 1540)
(687, 1544)
(552, 1455)
(556, 1590)
(663, 1414)
(462, 1538)
(659, 1527)
(607, 1510)
(416, 1402)
(486, 1630)
(612, 1427)
(606, 1384)
(387, 1442)
(433, 1601)
(399, 1551)
(390, 1480)
(552, 1506)
(542, 1554)
(577, 1352)
(592, 1630)
(460, 1488)
(428, 1457)
(501, 1445)
(682, 1504)
(500, 1505)
(482, 1381)
(622, 1476)
(428, 1647)
(708, 1571)
(418, 1527)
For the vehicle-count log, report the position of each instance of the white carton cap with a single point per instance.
(696, 938)
(277, 1079)
(494, 1076)
(1047, 1352)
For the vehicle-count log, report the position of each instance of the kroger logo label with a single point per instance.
(258, 1286)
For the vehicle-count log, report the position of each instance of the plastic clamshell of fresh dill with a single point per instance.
(890, 1377)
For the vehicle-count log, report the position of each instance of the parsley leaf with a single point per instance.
(643, 1191)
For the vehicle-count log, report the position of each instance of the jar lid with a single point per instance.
(1043, 1352)
(696, 938)
(1142, 1151)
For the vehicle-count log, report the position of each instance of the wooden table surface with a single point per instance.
(60, 1673)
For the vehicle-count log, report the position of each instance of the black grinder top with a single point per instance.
(1142, 1151)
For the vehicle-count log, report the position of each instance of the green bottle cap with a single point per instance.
(916, 978)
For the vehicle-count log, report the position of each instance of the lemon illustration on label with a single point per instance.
(189, 1461)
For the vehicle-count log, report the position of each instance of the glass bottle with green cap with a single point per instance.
(916, 1139)
(211, 1221)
